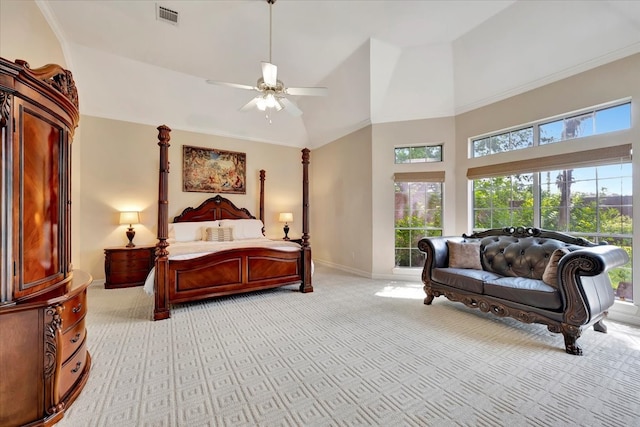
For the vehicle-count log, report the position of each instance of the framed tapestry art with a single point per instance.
(207, 170)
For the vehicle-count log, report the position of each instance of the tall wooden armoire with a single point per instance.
(44, 363)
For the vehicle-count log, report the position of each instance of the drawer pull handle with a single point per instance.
(77, 308)
(77, 368)
(75, 338)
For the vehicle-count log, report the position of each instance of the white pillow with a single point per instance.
(244, 228)
(189, 231)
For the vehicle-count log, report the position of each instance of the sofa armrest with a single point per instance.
(594, 260)
(437, 253)
(584, 282)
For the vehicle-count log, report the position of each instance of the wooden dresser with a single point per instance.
(44, 362)
(125, 267)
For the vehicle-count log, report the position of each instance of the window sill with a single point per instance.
(408, 272)
(626, 312)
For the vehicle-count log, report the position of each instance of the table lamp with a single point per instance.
(286, 217)
(130, 218)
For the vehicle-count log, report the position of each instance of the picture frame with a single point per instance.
(209, 170)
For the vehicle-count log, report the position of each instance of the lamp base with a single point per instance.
(286, 232)
(130, 234)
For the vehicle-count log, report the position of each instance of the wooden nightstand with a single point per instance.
(125, 267)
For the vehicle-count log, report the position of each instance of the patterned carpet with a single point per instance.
(356, 352)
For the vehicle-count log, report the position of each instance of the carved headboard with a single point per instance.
(213, 209)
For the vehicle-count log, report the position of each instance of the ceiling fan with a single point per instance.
(272, 92)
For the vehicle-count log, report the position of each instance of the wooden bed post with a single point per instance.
(262, 175)
(161, 309)
(306, 285)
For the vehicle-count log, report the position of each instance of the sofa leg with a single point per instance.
(429, 298)
(571, 335)
(599, 326)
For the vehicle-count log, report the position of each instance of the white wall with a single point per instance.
(341, 203)
(25, 34)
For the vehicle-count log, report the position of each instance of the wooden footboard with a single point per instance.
(232, 272)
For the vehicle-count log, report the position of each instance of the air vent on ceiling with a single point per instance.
(166, 15)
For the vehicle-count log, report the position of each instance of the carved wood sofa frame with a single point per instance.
(584, 302)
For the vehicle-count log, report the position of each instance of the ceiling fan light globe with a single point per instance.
(270, 100)
(261, 104)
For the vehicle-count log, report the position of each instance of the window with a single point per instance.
(421, 154)
(508, 141)
(594, 202)
(503, 201)
(589, 122)
(418, 214)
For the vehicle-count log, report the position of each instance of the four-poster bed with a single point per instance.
(256, 264)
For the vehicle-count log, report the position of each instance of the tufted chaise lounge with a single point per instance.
(506, 279)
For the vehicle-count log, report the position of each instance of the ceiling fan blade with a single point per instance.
(290, 107)
(234, 85)
(307, 91)
(269, 74)
(251, 104)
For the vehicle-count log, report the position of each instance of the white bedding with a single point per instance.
(188, 250)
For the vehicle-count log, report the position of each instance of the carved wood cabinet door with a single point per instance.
(39, 199)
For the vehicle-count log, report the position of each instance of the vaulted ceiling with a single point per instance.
(381, 60)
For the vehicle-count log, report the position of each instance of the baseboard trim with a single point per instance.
(398, 274)
(344, 268)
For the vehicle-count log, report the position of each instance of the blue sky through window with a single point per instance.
(590, 122)
(617, 179)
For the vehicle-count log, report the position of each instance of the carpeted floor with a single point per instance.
(354, 352)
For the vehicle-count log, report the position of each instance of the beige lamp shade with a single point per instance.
(129, 218)
(286, 217)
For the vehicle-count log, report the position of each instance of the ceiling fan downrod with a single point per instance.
(271, 3)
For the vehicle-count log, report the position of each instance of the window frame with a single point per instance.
(428, 229)
(420, 159)
(537, 184)
(535, 125)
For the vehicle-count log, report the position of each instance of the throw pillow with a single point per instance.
(219, 234)
(464, 255)
(550, 275)
(207, 224)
